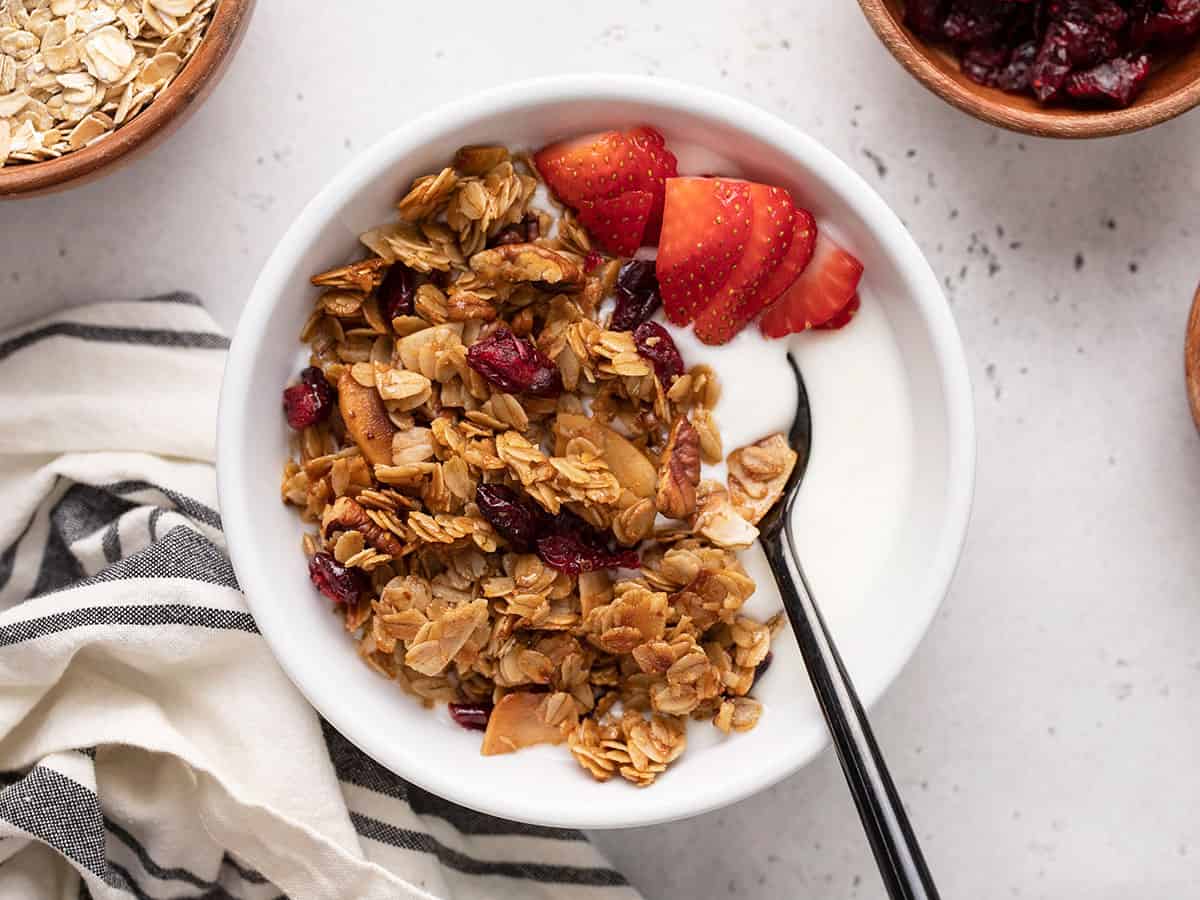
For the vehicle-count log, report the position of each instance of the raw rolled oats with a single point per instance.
(73, 71)
(454, 607)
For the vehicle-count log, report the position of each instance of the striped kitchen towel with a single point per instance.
(150, 747)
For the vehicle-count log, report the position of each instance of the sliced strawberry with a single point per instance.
(772, 229)
(824, 289)
(843, 316)
(796, 260)
(589, 168)
(706, 224)
(605, 166)
(661, 164)
(618, 224)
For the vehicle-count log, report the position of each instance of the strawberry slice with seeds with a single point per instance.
(795, 261)
(843, 316)
(706, 224)
(607, 165)
(661, 164)
(772, 230)
(618, 224)
(820, 293)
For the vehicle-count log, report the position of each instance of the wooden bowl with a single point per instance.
(1172, 89)
(152, 124)
(1191, 359)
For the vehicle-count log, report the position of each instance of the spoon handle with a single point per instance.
(896, 850)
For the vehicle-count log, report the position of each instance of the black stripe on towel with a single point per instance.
(181, 297)
(114, 334)
(426, 843)
(153, 616)
(177, 873)
(355, 767)
(120, 878)
(59, 811)
(182, 553)
(186, 505)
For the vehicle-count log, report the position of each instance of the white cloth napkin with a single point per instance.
(150, 747)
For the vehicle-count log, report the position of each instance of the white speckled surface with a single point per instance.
(1046, 733)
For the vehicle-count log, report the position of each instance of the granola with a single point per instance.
(73, 71)
(506, 494)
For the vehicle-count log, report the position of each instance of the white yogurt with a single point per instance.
(758, 390)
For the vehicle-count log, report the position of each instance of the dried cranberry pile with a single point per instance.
(1091, 51)
(564, 541)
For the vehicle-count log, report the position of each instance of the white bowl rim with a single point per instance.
(868, 205)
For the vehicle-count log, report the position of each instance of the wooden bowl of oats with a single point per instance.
(87, 84)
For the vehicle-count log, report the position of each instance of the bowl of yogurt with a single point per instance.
(883, 509)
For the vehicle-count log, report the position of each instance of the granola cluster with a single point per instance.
(507, 495)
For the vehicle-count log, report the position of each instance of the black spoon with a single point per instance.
(896, 850)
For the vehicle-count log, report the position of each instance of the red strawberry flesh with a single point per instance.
(603, 167)
(619, 223)
(824, 289)
(706, 224)
(795, 261)
(843, 316)
(772, 229)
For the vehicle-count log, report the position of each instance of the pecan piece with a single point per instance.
(528, 263)
(347, 515)
(679, 472)
(366, 419)
(364, 275)
(465, 305)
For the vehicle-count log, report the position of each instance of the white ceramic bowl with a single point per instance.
(887, 493)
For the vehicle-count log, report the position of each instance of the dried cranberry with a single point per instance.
(516, 518)
(637, 295)
(397, 291)
(571, 545)
(310, 401)
(592, 261)
(761, 669)
(1105, 13)
(925, 17)
(513, 364)
(1086, 50)
(524, 232)
(655, 343)
(571, 554)
(1017, 74)
(472, 716)
(976, 20)
(1179, 21)
(513, 234)
(341, 585)
(1115, 81)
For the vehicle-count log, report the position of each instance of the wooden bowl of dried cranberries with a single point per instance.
(1052, 68)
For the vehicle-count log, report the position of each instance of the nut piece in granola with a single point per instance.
(522, 720)
(528, 263)
(758, 474)
(366, 419)
(718, 520)
(679, 472)
(630, 466)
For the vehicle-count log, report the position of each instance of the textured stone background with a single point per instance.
(1046, 733)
